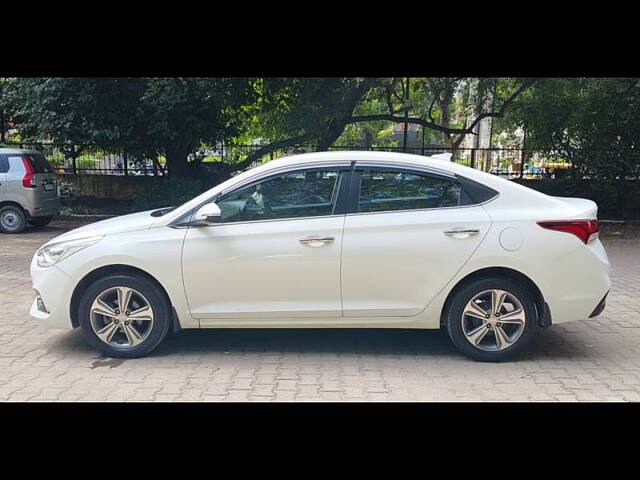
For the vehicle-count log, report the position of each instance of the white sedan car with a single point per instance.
(333, 240)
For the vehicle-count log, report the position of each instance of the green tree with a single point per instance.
(592, 122)
(142, 116)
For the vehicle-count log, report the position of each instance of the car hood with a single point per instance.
(124, 223)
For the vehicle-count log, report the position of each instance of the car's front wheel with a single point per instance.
(124, 315)
(492, 319)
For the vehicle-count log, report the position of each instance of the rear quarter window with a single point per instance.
(474, 193)
(40, 163)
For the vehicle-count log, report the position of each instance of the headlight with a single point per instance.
(51, 254)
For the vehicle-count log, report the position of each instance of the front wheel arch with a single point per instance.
(542, 310)
(98, 273)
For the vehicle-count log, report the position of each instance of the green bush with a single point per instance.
(165, 193)
(616, 199)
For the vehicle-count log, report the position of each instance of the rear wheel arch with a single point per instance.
(542, 310)
(101, 272)
(9, 202)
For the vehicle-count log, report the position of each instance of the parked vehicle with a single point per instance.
(333, 240)
(28, 191)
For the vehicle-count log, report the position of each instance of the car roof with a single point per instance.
(439, 162)
(509, 191)
(18, 150)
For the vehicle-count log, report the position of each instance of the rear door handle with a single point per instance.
(317, 241)
(454, 232)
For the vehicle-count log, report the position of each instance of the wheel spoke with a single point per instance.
(124, 297)
(474, 310)
(101, 308)
(133, 335)
(517, 317)
(476, 335)
(107, 332)
(143, 314)
(497, 299)
(502, 339)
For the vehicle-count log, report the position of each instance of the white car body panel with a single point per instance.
(261, 270)
(383, 270)
(412, 269)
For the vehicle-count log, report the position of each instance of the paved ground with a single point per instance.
(597, 359)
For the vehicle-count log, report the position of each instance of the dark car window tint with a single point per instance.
(397, 190)
(299, 194)
(40, 164)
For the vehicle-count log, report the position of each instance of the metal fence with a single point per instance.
(506, 162)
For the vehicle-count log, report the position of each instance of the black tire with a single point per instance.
(40, 221)
(157, 300)
(454, 318)
(12, 219)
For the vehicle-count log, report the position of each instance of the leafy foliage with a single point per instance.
(592, 122)
(143, 116)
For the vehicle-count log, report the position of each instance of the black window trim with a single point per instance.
(4, 163)
(340, 208)
(354, 188)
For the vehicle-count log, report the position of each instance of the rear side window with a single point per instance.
(15, 164)
(40, 164)
(400, 190)
(4, 164)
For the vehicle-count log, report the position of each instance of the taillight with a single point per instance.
(585, 230)
(28, 181)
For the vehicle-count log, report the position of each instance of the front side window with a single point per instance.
(297, 194)
(397, 190)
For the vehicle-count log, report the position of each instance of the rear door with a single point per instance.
(400, 245)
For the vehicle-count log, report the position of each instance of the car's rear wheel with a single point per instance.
(492, 319)
(12, 219)
(40, 221)
(124, 315)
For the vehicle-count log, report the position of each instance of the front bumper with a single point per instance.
(54, 288)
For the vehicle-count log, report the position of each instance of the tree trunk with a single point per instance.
(330, 136)
(445, 120)
(177, 161)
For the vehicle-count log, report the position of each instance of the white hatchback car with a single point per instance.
(333, 240)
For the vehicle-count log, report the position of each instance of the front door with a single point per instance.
(276, 252)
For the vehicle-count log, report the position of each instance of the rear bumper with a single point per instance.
(579, 284)
(44, 207)
(600, 307)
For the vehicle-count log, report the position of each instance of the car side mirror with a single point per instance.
(209, 213)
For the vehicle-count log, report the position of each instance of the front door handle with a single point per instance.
(462, 232)
(316, 241)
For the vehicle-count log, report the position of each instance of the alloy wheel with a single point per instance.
(121, 317)
(493, 320)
